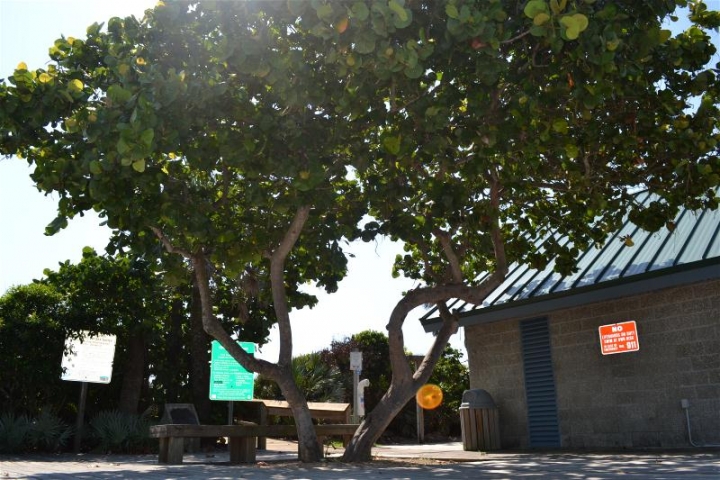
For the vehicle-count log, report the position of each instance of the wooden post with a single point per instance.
(420, 415)
(262, 441)
(419, 412)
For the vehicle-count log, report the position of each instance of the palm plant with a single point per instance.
(319, 380)
(120, 432)
(14, 431)
(48, 432)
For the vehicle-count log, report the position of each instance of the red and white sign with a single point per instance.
(619, 338)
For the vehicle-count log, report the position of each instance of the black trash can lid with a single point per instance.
(477, 398)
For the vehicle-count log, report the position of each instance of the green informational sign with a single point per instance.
(228, 379)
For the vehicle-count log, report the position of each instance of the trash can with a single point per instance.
(479, 421)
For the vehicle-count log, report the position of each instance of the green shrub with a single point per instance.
(319, 380)
(48, 433)
(14, 431)
(118, 432)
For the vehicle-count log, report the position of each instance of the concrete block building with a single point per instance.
(536, 346)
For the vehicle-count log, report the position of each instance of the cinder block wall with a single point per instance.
(627, 400)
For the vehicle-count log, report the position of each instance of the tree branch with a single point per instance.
(496, 230)
(277, 281)
(517, 37)
(449, 327)
(433, 295)
(455, 270)
(169, 245)
(214, 328)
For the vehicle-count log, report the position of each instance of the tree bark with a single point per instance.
(174, 347)
(133, 374)
(309, 449)
(199, 358)
(405, 382)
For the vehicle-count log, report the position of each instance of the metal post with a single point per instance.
(230, 412)
(80, 417)
(356, 380)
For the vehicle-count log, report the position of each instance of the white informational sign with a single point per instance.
(90, 359)
(356, 361)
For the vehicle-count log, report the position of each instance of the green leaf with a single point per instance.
(95, 167)
(574, 24)
(612, 45)
(94, 29)
(146, 137)
(452, 11)
(665, 35)
(365, 43)
(402, 21)
(431, 111)
(122, 146)
(325, 12)
(414, 71)
(560, 125)
(581, 21)
(139, 165)
(56, 225)
(399, 10)
(541, 19)
(392, 144)
(572, 151)
(555, 7)
(535, 7)
(75, 85)
(118, 94)
(360, 11)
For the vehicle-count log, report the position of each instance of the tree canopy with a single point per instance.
(251, 137)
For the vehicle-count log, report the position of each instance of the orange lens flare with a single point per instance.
(429, 396)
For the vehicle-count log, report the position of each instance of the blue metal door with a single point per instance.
(543, 426)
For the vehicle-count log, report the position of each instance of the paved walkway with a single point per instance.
(429, 461)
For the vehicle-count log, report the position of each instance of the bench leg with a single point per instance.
(262, 441)
(242, 449)
(171, 450)
(163, 450)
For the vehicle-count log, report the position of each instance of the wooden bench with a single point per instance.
(331, 412)
(242, 439)
(325, 411)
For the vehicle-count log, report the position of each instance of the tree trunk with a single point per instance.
(199, 359)
(133, 374)
(405, 382)
(174, 347)
(309, 448)
(375, 423)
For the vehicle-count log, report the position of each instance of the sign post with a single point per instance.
(88, 360)
(619, 338)
(228, 379)
(356, 367)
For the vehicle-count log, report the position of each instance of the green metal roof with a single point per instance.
(662, 259)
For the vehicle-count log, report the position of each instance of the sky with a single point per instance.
(27, 29)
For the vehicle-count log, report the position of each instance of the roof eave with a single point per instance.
(623, 287)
